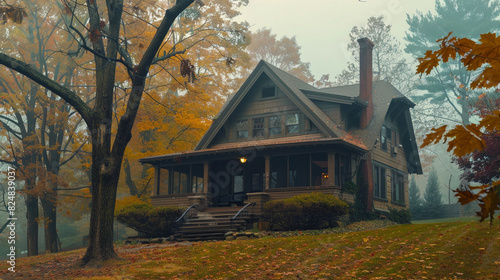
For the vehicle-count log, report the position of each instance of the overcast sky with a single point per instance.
(322, 27)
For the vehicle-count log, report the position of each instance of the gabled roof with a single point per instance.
(291, 86)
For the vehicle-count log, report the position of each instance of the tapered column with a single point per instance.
(267, 172)
(331, 168)
(206, 169)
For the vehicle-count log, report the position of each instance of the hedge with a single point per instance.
(148, 220)
(306, 211)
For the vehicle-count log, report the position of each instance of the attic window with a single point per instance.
(268, 92)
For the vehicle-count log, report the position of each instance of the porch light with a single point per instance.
(243, 160)
(324, 175)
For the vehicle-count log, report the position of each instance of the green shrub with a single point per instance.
(402, 216)
(148, 220)
(306, 211)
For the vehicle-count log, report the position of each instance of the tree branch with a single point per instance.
(66, 94)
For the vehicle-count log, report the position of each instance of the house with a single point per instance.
(278, 136)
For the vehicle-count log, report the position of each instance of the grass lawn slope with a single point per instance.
(455, 250)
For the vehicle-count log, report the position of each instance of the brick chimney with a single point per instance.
(365, 80)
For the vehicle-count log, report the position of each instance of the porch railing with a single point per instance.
(242, 210)
(185, 212)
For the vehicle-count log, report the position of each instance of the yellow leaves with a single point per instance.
(434, 137)
(466, 139)
(427, 63)
(475, 55)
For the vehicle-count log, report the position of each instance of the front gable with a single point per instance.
(267, 97)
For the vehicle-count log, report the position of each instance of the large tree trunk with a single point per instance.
(105, 175)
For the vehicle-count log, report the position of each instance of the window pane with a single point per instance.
(299, 170)
(275, 125)
(292, 123)
(197, 178)
(258, 127)
(319, 169)
(278, 172)
(180, 184)
(268, 92)
(383, 139)
(238, 183)
(292, 119)
(242, 129)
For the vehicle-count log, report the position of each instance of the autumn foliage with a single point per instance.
(465, 140)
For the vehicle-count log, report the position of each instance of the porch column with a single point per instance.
(206, 170)
(267, 172)
(156, 185)
(331, 168)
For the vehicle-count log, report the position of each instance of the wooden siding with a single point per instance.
(254, 106)
(332, 110)
(171, 200)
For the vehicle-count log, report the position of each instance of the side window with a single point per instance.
(383, 138)
(242, 129)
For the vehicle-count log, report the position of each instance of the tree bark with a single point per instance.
(128, 179)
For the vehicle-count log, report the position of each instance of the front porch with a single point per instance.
(234, 177)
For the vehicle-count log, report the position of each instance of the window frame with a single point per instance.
(265, 89)
(288, 125)
(258, 125)
(241, 129)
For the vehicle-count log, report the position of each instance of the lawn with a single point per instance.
(454, 250)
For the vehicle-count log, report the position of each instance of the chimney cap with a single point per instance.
(365, 42)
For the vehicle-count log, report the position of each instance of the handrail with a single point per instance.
(185, 212)
(241, 210)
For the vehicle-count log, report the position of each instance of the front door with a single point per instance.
(231, 180)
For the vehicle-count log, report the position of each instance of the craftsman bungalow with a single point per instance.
(279, 136)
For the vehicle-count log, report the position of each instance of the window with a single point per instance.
(278, 172)
(258, 127)
(397, 186)
(292, 123)
(383, 139)
(180, 180)
(386, 138)
(268, 92)
(274, 125)
(238, 184)
(197, 178)
(298, 170)
(319, 169)
(242, 129)
(379, 185)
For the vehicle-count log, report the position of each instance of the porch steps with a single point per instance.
(212, 224)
